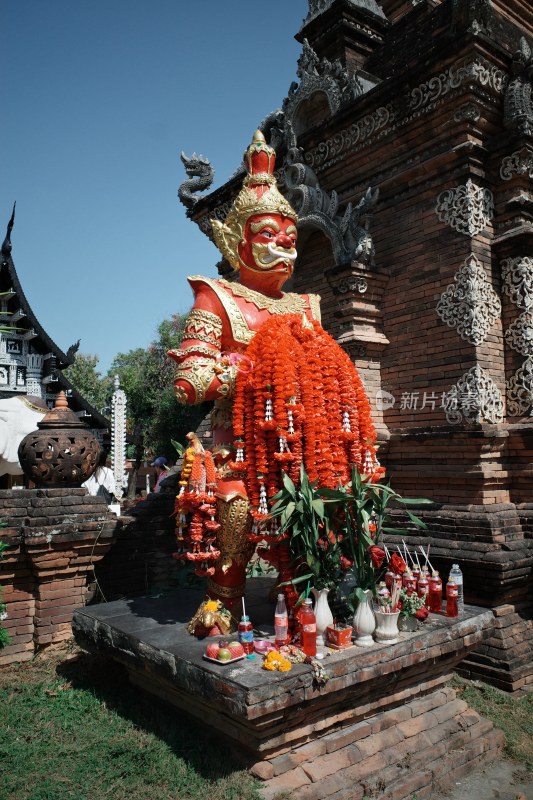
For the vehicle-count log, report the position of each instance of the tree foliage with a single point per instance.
(147, 376)
(89, 382)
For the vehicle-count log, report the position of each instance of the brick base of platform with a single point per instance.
(505, 658)
(385, 725)
(422, 746)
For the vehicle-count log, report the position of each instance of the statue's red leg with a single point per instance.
(228, 582)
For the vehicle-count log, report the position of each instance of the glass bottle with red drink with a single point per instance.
(423, 587)
(452, 599)
(389, 579)
(409, 582)
(245, 632)
(308, 628)
(281, 622)
(435, 593)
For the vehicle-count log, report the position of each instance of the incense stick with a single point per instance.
(407, 553)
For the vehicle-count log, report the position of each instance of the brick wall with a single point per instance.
(55, 537)
(435, 123)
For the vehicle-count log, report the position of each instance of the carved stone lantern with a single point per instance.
(63, 452)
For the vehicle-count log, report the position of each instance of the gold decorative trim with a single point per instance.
(239, 327)
(232, 537)
(225, 591)
(260, 179)
(181, 355)
(225, 471)
(199, 374)
(314, 306)
(205, 323)
(289, 303)
(227, 382)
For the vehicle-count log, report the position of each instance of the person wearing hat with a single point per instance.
(161, 471)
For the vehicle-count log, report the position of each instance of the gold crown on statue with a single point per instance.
(259, 195)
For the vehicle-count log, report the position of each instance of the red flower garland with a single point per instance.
(197, 501)
(300, 369)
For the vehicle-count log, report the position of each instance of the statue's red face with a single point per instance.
(269, 245)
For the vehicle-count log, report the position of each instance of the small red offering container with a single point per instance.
(339, 635)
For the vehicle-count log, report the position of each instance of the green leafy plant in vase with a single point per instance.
(334, 533)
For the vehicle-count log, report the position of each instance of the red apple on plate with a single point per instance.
(236, 649)
(212, 649)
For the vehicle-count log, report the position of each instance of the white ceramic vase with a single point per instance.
(386, 627)
(323, 615)
(364, 621)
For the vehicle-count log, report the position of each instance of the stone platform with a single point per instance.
(385, 725)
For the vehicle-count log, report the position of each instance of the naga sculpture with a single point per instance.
(349, 235)
(201, 175)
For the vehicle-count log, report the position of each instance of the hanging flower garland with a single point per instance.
(303, 401)
(195, 509)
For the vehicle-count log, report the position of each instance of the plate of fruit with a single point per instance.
(224, 652)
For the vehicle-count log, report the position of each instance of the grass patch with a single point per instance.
(512, 714)
(73, 729)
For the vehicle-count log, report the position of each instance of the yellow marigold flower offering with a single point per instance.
(275, 661)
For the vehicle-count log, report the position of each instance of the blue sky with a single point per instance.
(99, 97)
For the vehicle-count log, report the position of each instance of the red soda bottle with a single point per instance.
(409, 582)
(246, 634)
(452, 595)
(296, 628)
(308, 629)
(435, 593)
(389, 579)
(281, 622)
(423, 587)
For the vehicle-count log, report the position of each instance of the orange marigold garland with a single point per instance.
(303, 400)
(195, 509)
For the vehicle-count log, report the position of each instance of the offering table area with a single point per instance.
(385, 725)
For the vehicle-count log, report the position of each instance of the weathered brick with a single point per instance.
(346, 736)
(450, 710)
(331, 763)
(418, 724)
(391, 717)
(288, 782)
(262, 770)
